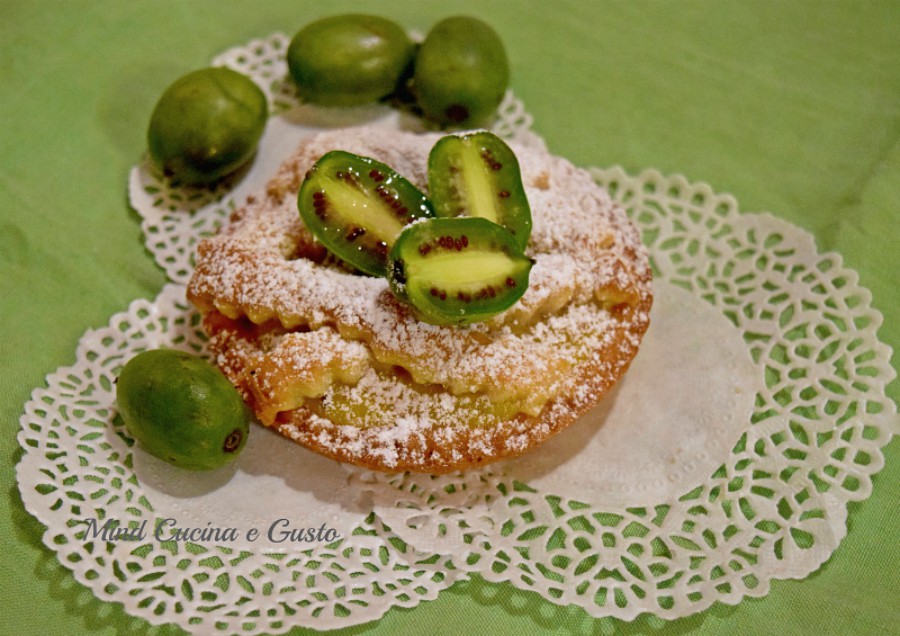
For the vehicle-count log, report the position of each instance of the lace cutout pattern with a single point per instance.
(774, 506)
(79, 465)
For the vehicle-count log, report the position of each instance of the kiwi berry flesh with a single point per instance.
(357, 207)
(458, 271)
(477, 174)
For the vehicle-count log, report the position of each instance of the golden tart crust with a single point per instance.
(332, 360)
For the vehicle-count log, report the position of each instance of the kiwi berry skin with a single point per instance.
(357, 207)
(457, 271)
(477, 174)
(461, 72)
(182, 409)
(349, 59)
(207, 125)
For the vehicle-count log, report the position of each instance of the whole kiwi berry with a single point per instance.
(206, 125)
(348, 60)
(461, 72)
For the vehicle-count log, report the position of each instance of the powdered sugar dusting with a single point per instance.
(585, 310)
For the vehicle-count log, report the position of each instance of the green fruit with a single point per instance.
(357, 207)
(206, 125)
(478, 175)
(347, 60)
(461, 72)
(182, 409)
(458, 271)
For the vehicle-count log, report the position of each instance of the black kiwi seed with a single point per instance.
(398, 274)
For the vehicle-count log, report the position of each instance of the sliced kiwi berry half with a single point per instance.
(477, 174)
(458, 271)
(357, 207)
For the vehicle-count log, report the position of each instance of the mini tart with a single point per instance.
(332, 360)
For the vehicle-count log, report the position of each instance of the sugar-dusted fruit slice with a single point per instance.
(458, 271)
(357, 207)
(477, 174)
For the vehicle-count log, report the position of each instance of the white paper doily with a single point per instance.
(763, 495)
(79, 465)
(772, 507)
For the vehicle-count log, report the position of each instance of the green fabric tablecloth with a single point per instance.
(793, 107)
